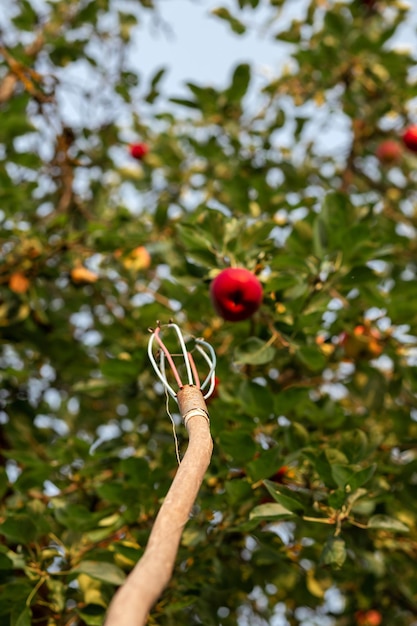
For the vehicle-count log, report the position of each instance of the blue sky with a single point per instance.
(197, 46)
(201, 47)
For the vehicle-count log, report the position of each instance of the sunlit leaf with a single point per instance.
(289, 502)
(100, 570)
(270, 511)
(254, 352)
(334, 552)
(385, 522)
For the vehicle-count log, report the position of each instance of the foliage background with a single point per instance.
(308, 511)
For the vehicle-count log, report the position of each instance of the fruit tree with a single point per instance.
(122, 205)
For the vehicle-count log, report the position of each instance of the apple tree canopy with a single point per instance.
(308, 512)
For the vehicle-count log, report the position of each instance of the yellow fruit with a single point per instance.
(138, 259)
(19, 283)
(82, 276)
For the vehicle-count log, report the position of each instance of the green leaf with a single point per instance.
(362, 476)
(5, 562)
(192, 537)
(312, 358)
(240, 83)
(76, 516)
(335, 23)
(292, 263)
(4, 482)
(292, 35)
(264, 465)
(158, 76)
(286, 501)
(206, 97)
(254, 351)
(320, 237)
(19, 528)
(256, 399)
(198, 243)
(324, 461)
(190, 104)
(119, 369)
(23, 619)
(358, 276)
(333, 221)
(283, 281)
(385, 522)
(333, 455)
(26, 17)
(354, 445)
(341, 474)
(153, 92)
(13, 596)
(296, 436)
(92, 614)
(238, 444)
(334, 552)
(346, 476)
(235, 24)
(129, 553)
(238, 491)
(401, 305)
(101, 570)
(337, 498)
(136, 470)
(270, 511)
(336, 210)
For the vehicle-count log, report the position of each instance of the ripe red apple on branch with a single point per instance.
(368, 618)
(138, 150)
(410, 138)
(236, 294)
(389, 151)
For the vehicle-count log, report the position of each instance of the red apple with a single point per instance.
(368, 618)
(138, 150)
(410, 138)
(388, 151)
(236, 294)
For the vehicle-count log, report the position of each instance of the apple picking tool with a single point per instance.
(190, 396)
(131, 604)
(192, 377)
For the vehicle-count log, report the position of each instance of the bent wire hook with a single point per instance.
(204, 348)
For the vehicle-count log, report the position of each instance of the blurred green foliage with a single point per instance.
(310, 497)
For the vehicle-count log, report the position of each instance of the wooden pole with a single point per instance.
(135, 598)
